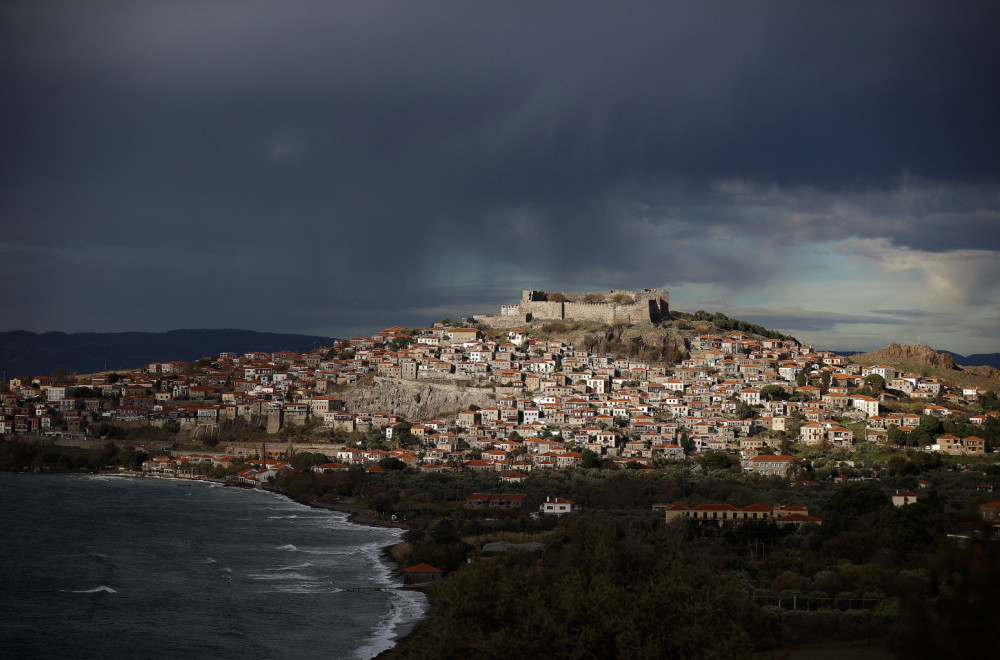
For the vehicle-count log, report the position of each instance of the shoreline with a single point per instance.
(361, 515)
(357, 514)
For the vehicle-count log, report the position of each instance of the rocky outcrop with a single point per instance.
(984, 371)
(915, 354)
(415, 399)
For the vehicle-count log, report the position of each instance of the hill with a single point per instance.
(665, 341)
(974, 360)
(918, 358)
(25, 353)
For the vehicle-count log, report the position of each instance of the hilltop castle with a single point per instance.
(617, 306)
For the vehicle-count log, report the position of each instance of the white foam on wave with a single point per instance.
(209, 560)
(379, 572)
(339, 520)
(297, 588)
(296, 567)
(335, 552)
(89, 555)
(282, 517)
(96, 590)
(284, 575)
(289, 548)
(406, 607)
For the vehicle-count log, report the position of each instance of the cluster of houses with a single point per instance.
(553, 400)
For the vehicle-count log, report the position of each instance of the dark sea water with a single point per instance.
(117, 567)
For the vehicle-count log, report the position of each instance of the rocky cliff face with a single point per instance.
(916, 353)
(414, 399)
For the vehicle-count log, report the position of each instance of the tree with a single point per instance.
(591, 459)
(743, 410)
(308, 459)
(132, 459)
(800, 379)
(824, 382)
(715, 460)
(966, 578)
(84, 392)
(399, 343)
(874, 383)
(857, 499)
(772, 392)
(930, 424)
(392, 463)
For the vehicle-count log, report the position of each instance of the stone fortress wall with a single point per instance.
(617, 306)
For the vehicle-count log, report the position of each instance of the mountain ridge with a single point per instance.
(25, 353)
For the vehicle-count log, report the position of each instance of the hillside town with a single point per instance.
(553, 405)
(796, 481)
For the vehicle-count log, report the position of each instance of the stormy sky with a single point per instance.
(829, 169)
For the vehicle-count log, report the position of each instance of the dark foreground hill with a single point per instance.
(25, 353)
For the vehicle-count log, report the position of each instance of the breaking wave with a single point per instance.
(96, 590)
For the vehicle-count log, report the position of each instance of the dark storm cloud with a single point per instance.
(385, 156)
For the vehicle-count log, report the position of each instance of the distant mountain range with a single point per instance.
(25, 353)
(976, 359)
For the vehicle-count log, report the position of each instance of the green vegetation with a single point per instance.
(602, 590)
(664, 343)
(773, 393)
(930, 427)
(874, 384)
(22, 456)
(610, 582)
(399, 343)
(724, 323)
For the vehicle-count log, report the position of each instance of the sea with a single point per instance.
(95, 566)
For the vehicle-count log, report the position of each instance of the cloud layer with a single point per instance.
(333, 167)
